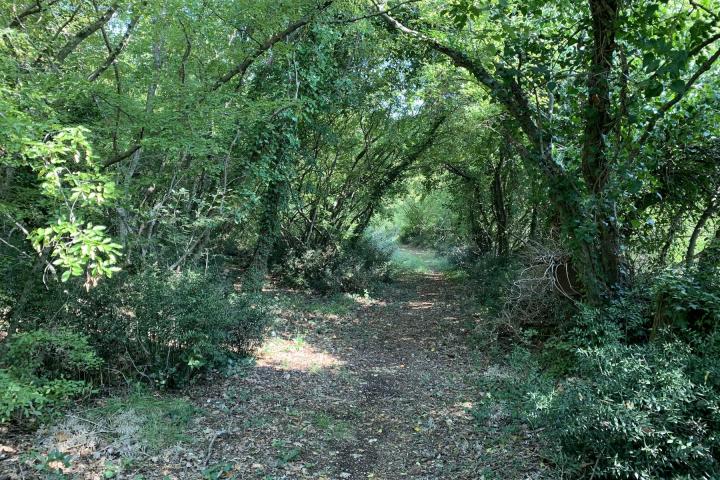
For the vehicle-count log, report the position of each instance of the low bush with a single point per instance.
(42, 370)
(687, 300)
(167, 327)
(640, 412)
(52, 355)
(627, 391)
(351, 268)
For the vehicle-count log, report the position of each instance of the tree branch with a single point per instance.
(508, 93)
(37, 7)
(121, 156)
(241, 68)
(116, 51)
(78, 38)
(676, 99)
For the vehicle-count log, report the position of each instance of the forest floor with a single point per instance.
(345, 387)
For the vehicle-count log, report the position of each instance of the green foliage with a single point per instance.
(18, 400)
(643, 411)
(218, 471)
(71, 187)
(490, 274)
(50, 466)
(51, 354)
(167, 327)
(639, 412)
(687, 300)
(350, 267)
(426, 221)
(512, 389)
(181, 128)
(43, 370)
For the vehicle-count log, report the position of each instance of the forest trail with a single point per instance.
(344, 387)
(382, 391)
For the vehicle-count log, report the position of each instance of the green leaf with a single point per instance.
(677, 86)
(654, 89)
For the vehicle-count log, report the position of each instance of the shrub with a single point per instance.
(640, 412)
(166, 327)
(51, 355)
(44, 369)
(18, 400)
(687, 300)
(351, 268)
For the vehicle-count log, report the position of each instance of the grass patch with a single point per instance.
(337, 304)
(156, 422)
(418, 261)
(335, 429)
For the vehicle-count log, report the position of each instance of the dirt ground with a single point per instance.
(372, 388)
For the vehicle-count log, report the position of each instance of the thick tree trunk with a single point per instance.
(274, 202)
(602, 265)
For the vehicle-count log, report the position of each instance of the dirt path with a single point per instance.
(381, 392)
(344, 388)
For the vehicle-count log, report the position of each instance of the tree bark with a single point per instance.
(273, 202)
(692, 243)
(78, 38)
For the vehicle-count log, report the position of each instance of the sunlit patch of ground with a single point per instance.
(296, 355)
(367, 301)
(420, 305)
(408, 259)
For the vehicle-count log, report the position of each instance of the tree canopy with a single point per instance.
(258, 139)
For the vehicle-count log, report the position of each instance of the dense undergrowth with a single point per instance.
(351, 267)
(162, 162)
(615, 391)
(160, 329)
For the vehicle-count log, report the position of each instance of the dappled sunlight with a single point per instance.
(367, 301)
(296, 355)
(420, 305)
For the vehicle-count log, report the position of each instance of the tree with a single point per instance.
(588, 204)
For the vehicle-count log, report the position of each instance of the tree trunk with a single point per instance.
(709, 258)
(478, 230)
(274, 202)
(602, 258)
(692, 244)
(502, 245)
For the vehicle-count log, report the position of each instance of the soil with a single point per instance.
(382, 388)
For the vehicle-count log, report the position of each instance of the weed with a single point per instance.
(219, 471)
